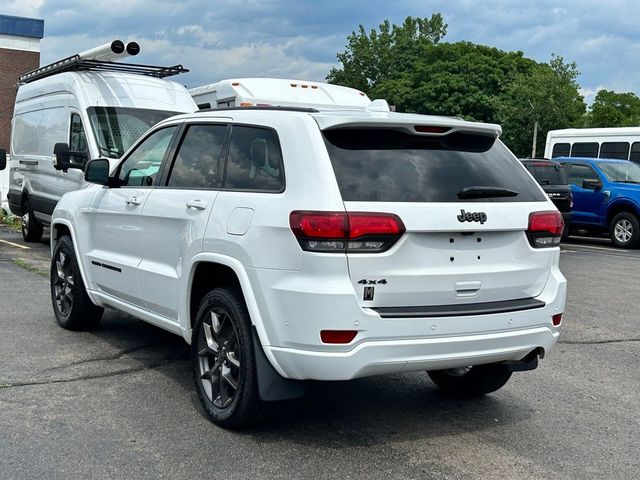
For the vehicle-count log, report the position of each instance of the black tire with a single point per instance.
(566, 232)
(72, 307)
(31, 227)
(625, 230)
(471, 381)
(223, 361)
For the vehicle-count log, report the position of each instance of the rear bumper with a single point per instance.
(394, 356)
(392, 345)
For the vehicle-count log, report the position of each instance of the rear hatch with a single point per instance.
(553, 179)
(464, 202)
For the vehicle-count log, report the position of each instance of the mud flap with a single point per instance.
(271, 385)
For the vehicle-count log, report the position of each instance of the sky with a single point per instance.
(218, 39)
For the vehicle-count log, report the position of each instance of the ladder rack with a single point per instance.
(76, 64)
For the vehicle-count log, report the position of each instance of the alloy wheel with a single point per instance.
(63, 284)
(219, 358)
(623, 230)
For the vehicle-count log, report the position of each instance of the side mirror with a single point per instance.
(61, 152)
(3, 159)
(592, 184)
(97, 171)
(65, 158)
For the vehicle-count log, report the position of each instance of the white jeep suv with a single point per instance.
(288, 244)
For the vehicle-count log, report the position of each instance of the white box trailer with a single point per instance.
(247, 92)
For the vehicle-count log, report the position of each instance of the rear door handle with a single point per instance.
(134, 201)
(197, 204)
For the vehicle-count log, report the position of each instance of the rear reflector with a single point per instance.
(337, 336)
(545, 229)
(355, 232)
(557, 319)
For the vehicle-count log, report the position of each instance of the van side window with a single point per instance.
(77, 137)
(635, 152)
(585, 149)
(561, 150)
(140, 169)
(619, 150)
(578, 173)
(196, 165)
(254, 161)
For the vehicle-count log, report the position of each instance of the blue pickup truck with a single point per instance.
(606, 197)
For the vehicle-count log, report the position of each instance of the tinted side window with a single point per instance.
(578, 173)
(635, 152)
(254, 161)
(77, 137)
(196, 165)
(561, 150)
(618, 150)
(141, 167)
(585, 149)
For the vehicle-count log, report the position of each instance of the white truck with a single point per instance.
(81, 107)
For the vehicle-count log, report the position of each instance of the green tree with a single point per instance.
(611, 109)
(370, 58)
(548, 95)
(413, 70)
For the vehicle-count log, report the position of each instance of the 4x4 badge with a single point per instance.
(472, 217)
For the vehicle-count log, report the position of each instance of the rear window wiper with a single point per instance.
(485, 192)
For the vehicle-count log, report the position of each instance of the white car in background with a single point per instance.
(292, 244)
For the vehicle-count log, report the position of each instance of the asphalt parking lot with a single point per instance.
(118, 402)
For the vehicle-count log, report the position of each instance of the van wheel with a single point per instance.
(471, 381)
(31, 227)
(223, 361)
(625, 230)
(71, 304)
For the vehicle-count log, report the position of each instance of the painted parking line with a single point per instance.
(17, 245)
(595, 247)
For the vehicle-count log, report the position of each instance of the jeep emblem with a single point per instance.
(472, 217)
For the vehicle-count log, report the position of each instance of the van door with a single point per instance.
(175, 216)
(114, 221)
(60, 182)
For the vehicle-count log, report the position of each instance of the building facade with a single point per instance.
(19, 53)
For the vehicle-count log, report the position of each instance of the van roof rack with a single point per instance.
(75, 64)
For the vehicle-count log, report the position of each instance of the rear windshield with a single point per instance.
(382, 165)
(547, 174)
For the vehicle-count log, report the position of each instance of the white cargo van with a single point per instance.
(82, 108)
(250, 92)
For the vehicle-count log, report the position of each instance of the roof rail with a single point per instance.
(262, 107)
(74, 64)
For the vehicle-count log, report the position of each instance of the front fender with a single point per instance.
(62, 218)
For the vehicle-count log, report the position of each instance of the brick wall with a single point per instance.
(13, 63)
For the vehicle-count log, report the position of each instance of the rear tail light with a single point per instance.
(557, 319)
(545, 229)
(356, 232)
(337, 336)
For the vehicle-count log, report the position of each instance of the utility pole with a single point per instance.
(535, 139)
